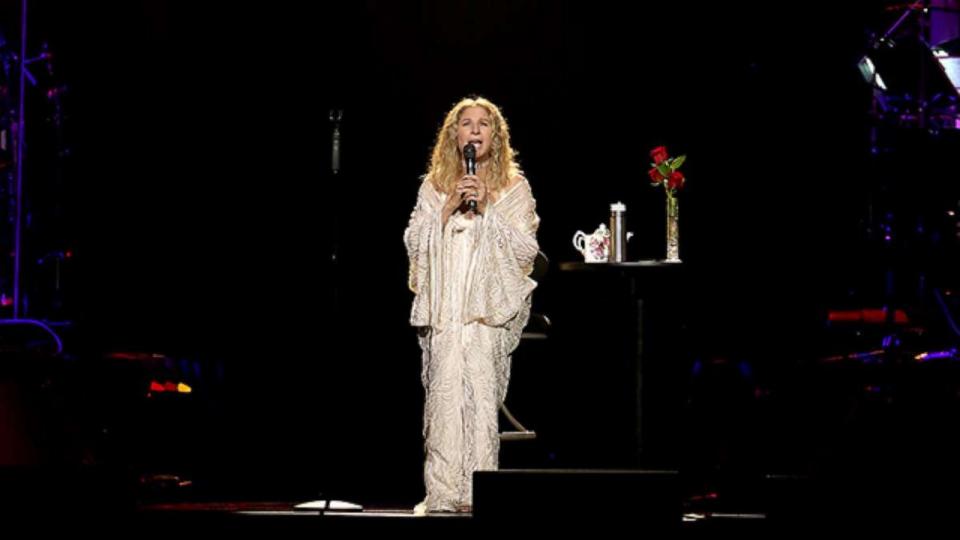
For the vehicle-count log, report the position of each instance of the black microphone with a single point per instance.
(470, 156)
(336, 116)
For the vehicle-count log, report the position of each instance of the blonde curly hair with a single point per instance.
(446, 162)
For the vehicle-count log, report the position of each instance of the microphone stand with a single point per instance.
(336, 117)
(325, 504)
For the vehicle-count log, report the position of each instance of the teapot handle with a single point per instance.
(580, 241)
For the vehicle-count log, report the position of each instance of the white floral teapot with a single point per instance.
(595, 247)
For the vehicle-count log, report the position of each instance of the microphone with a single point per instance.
(336, 116)
(470, 156)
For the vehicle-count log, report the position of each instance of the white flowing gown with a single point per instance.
(473, 290)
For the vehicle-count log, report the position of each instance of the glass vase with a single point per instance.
(673, 229)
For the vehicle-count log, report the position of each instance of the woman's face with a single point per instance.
(475, 127)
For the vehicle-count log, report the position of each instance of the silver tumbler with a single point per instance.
(618, 232)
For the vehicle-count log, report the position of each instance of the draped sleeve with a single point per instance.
(423, 239)
(499, 286)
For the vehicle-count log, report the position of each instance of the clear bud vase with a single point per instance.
(673, 228)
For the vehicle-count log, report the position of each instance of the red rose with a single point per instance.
(655, 176)
(658, 154)
(675, 181)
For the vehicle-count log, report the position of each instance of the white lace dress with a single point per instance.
(473, 290)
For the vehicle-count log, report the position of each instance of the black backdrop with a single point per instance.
(202, 211)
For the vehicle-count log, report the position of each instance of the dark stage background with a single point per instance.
(201, 212)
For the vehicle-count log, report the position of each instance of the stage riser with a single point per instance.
(642, 500)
